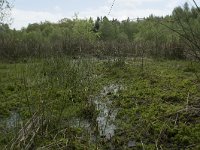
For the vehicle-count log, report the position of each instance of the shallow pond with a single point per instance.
(107, 114)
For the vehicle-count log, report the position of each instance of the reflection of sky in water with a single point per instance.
(12, 121)
(106, 115)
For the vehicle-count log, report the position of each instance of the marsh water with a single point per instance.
(105, 119)
(106, 113)
(11, 122)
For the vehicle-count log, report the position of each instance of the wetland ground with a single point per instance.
(100, 104)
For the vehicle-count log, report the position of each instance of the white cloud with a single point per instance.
(172, 4)
(57, 8)
(132, 3)
(129, 8)
(23, 17)
(101, 11)
(123, 14)
(122, 9)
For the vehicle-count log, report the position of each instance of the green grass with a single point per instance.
(158, 108)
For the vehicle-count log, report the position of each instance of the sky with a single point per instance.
(32, 11)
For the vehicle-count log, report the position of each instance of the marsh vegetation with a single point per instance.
(102, 84)
(91, 103)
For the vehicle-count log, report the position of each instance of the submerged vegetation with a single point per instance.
(101, 84)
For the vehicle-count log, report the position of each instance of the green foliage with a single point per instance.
(150, 37)
(107, 30)
(83, 30)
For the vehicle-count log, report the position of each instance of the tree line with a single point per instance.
(175, 36)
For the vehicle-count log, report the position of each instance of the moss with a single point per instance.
(172, 99)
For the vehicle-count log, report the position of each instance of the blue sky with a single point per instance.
(31, 11)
